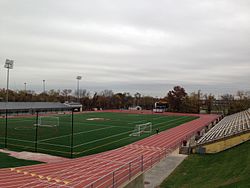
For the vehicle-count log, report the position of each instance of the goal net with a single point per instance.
(48, 121)
(142, 128)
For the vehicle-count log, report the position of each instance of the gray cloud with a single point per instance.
(146, 46)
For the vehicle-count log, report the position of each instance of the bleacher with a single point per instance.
(229, 126)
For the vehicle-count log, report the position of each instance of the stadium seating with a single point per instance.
(230, 125)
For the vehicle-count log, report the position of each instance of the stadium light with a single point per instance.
(25, 86)
(78, 94)
(43, 86)
(8, 65)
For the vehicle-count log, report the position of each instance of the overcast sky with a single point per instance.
(127, 45)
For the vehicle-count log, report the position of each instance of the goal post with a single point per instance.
(48, 121)
(142, 128)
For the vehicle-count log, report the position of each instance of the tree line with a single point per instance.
(178, 100)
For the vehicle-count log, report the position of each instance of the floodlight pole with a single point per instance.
(8, 65)
(25, 86)
(43, 86)
(25, 91)
(78, 93)
(7, 92)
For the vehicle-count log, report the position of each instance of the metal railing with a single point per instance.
(138, 165)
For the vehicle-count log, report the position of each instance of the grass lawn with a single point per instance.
(90, 136)
(230, 168)
(7, 161)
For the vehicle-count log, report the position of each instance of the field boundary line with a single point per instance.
(101, 125)
(147, 120)
(101, 145)
(19, 140)
(46, 143)
(86, 143)
(74, 134)
(178, 119)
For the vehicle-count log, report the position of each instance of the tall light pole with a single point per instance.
(25, 91)
(25, 86)
(78, 93)
(43, 86)
(8, 65)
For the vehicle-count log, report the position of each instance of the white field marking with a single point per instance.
(102, 145)
(19, 140)
(171, 120)
(85, 132)
(90, 131)
(90, 124)
(106, 127)
(74, 134)
(134, 122)
(148, 119)
(21, 146)
(86, 143)
(160, 117)
(178, 119)
(103, 139)
(46, 143)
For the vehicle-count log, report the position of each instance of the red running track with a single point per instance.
(107, 169)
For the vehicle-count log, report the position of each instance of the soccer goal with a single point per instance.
(48, 121)
(142, 128)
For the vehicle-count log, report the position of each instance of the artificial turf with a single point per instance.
(90, 136)
(7, 161)
(230, 168)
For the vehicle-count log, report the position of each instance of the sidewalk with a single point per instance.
(155, 176)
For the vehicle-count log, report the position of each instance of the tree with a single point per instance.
(137, 98)
(65, 93)
(209, 102)
(176, 98)
(107, 93)
(191, 103)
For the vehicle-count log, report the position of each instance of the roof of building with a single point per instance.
(32, 105)
(73, 104)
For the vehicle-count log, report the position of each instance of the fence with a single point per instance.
(40, 131)
(137, 166)
(130, 170)
(21, 132)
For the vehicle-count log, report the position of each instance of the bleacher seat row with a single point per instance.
(230, 125)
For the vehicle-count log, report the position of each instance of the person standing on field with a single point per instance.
(157, 131)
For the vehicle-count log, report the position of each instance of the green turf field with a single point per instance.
(90, 136)
(230, 168)
(8, 161)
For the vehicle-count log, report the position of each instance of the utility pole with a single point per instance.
(25, 86)
(78, 93)
(43, 86)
